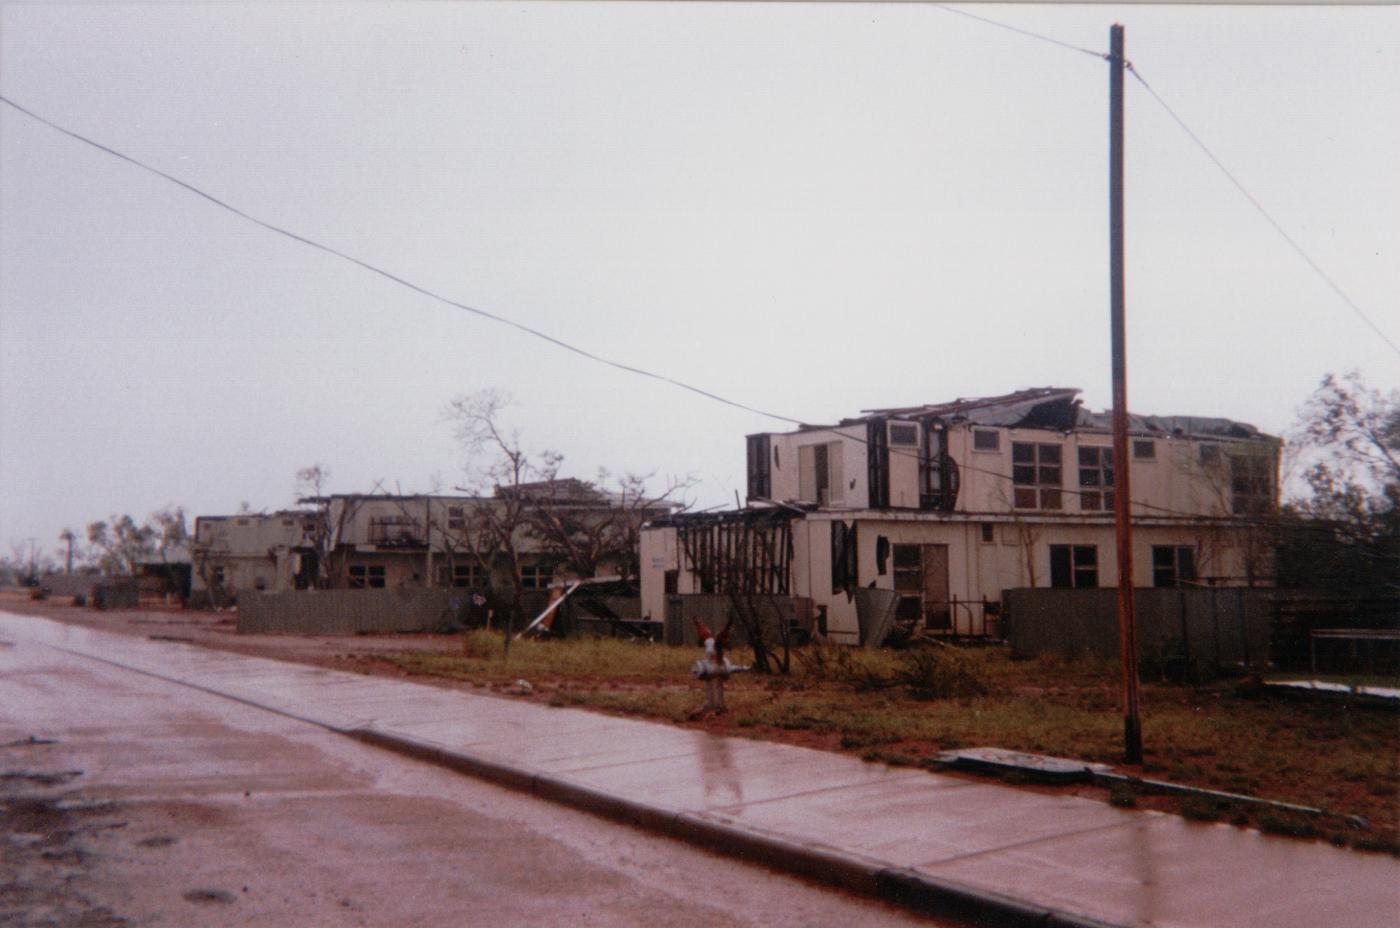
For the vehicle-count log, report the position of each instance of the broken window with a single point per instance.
(1209, 453)
(909, 581)
(938, 474)
(921, 579)
(843, 558)
(988, 533)
(819, 474)
(1173, 565)
(904, 434)
(1036, 475)
(364, 576)
(760, 475)
(1144, 449)
(1096, 479)
(394, 530)
(1074, 566)
(986, 440)
(1251, 484)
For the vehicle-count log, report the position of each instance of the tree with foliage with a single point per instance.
(69, 538)
(1343, 532)
(121, 543)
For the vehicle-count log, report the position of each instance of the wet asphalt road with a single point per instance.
(143, 802)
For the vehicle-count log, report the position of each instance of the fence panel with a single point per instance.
(1208, 628)
(342, 612)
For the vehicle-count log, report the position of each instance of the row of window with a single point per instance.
(1144, 449)
(1077, 566)
(1037, 477)
(469, 576)
(1037, 472)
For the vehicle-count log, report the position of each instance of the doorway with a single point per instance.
(921, 579)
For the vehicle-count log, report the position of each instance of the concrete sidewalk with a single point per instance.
(957, 846)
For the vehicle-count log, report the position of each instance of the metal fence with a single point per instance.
(342, 612)
(1206, 629)
(716, 609)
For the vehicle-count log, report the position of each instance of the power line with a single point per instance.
(1209, 154)
(582, 352)
(1019, 31)
(512, 323)
(1262, 211)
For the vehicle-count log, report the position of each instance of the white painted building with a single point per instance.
(951, 504)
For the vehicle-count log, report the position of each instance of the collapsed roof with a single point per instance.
(1060, 408)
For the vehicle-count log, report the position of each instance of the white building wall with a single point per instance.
(1172, 482)
(659, 555)
(850, 447)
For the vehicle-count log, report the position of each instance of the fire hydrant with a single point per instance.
(714, 668)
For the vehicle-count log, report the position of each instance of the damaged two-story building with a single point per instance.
(252, 551)
(536, 534)
(948, 505)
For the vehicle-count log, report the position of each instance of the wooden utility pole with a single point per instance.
(1122, 502)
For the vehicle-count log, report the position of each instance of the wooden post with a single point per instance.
(1127, 619)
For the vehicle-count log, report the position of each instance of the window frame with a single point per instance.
(979, 434)
(470, 573)
(367, 577)
(1099, 494)
(1080, 570)
(1251, 484)
(910, 430)
(536, 576)
(1173, 570)
(759, 467)
(1040, 491)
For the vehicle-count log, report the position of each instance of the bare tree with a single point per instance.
(311, 485)
(496, 526)
(586, 526)
(28, 561)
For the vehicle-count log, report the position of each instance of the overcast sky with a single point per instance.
(811, 209)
